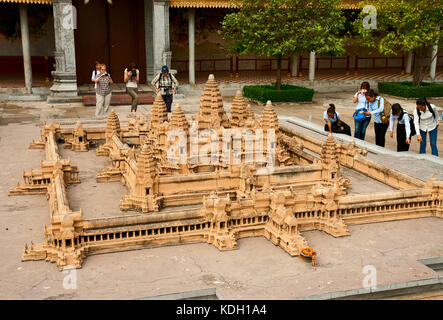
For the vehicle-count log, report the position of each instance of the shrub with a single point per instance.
(287, 93)
(406, 90)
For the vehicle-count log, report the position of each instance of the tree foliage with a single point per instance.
(278, 28)
(404, 26)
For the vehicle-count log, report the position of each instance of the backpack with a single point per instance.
(411, 123)
(386, 114)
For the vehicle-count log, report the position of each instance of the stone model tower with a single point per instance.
(238, 111)
(212, 114)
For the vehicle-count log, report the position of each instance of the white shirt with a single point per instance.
(427, 121)
(404, 120)
(334, 119)
(94, 76)
(130, 83)
(361, 100)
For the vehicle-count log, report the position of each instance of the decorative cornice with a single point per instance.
(29, 1)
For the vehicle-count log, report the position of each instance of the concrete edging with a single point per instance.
(360, 143)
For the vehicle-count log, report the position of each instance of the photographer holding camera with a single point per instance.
(167, 84)
(132, 77)
(104, 92)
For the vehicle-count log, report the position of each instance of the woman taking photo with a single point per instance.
(132, 77)
(103, 96)
(360, 100)
(426, 118)
(403, 127)
(376, 105)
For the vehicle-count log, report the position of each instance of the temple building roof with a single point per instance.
(29, 1)
(348, 4)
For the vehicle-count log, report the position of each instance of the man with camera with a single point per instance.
(165, 83)
(132, 77)
(104, 92)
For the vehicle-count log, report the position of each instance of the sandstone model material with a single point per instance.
(293, 184)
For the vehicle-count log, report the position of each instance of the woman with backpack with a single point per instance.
(426, 118)
(333, 122)
(376, 106)
(360, 120)
(404, 131)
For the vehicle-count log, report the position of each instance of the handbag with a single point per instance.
(358, 116)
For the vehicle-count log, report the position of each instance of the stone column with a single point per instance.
(434, 61)
(294, 65)
(160, 24)
(64, 86)
(191, 41)
(149, 40)
(312, 66)
(25, 46)
(409, 62)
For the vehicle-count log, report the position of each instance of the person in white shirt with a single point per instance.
(360, 100)
(333, 122)
(132, 77)
(426, 118)
(95, 74)
(403, 127)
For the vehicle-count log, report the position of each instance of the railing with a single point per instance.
(318, 66)
(261, 64)
(270, 64)
(374, 59)
(40, 65)
(206, 65)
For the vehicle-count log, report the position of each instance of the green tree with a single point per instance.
(278, 28)
(404, 26)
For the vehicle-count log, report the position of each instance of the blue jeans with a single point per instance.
(360, 128)
(433, 141)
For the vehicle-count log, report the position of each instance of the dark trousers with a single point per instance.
(337, 128)
(360, 128)
(401, 138)
(380, 133)
(167, 98)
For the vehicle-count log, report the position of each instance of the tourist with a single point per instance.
(103, 81)
(403, 127)
(165, 83)
(426, 118)
(131, 78)
(375, 107)
(95, 74)
(361, 122)
(333, 122)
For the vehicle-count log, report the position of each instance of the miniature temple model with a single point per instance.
(261, 178)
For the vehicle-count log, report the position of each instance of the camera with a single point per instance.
(133, 73)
